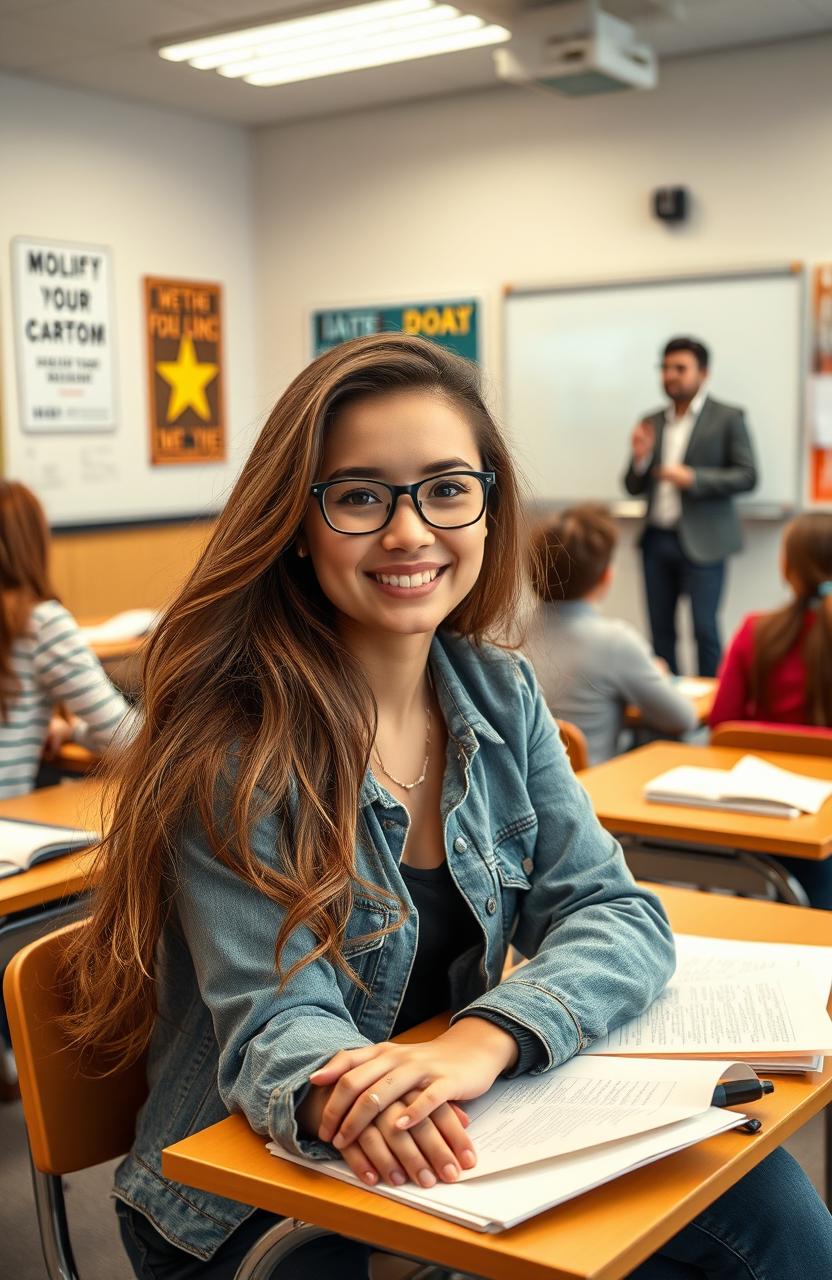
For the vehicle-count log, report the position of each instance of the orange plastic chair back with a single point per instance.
(575, 742)
(772, 737)
(74, 1117)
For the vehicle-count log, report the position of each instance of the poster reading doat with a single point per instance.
(63, 336)
(452, 324)
(185, 373)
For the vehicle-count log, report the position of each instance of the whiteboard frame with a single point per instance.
(627, 508)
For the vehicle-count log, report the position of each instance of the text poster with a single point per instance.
(820, 398)
(64, 336)
(185, 374)
(451, 323)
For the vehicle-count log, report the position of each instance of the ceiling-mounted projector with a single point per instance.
(575, 49)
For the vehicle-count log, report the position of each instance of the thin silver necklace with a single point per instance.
(409, 786)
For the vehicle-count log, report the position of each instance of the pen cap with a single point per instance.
(767, 1086)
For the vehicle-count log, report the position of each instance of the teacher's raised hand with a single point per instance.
(643, 442)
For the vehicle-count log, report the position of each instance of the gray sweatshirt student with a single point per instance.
(591, 668)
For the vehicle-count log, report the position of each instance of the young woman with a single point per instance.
(778, 667)
(44, 659)
(342, 807)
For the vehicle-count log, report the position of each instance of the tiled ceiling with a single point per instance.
(110, 46)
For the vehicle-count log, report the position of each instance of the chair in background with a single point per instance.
(803, 740)
(76, 1118)
(575, 742)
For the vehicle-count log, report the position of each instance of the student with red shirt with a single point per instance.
(778, 668)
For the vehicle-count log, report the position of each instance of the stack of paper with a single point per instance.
(752, 786)
(541, 1140)
(128, 625)
(763, 1003)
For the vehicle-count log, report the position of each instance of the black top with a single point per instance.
(446, 928)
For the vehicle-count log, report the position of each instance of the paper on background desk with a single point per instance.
(128, 625)
(694, 686)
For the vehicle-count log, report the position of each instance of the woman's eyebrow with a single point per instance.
(377, 473)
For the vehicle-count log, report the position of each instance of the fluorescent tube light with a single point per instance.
(354, 45)
(254, 36)
(358, 61)
(435, 16)
(338, 40)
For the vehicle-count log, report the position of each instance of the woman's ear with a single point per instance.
(301, 548)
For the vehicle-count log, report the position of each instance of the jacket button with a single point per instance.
(460, 844)
(528, 865)
(491, 906)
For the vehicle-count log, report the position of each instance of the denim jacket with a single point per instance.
(529, 858)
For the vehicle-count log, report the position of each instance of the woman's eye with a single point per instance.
(358, 498)
(448, 489)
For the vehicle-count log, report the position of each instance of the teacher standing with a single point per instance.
(690, 459)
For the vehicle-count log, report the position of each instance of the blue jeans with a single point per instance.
(669, 574)
(771, 1225)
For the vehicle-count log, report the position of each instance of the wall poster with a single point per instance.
(451, 323)
(185, 371)
(63, 335)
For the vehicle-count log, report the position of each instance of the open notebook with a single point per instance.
(544, 1139)
(23, 844)
(128, 625)
(763, 1003)
(752, 786)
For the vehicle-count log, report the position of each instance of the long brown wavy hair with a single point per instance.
(246, 685)
(807, 561)
(24, 573)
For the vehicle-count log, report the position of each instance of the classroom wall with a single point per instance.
(172, 196)
(459, 196)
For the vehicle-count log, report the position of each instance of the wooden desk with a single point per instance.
(616, 790)
(599, 1236)
(72, 804)
(702, 702)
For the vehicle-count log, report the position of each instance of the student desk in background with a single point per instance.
(701, 690)
(706, 846)
(602, 1234)
(50, 886)
(119, 658)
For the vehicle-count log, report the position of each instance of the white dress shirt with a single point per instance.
(666, 509)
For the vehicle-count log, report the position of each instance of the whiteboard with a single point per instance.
(581, 368)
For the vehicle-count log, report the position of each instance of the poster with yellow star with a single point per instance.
(185, 373)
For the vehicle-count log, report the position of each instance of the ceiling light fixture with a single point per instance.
(339, 40)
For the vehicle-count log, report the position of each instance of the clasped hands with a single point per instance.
(392, 1111)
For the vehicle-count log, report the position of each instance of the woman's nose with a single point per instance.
(407, 528)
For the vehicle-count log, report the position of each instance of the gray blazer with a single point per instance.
(722, 456)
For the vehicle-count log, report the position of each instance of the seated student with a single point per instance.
(778, 667)
(341, 809)
(591, 668)
(44, 660)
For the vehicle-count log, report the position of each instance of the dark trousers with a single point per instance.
(669, 574)
(771, 1225)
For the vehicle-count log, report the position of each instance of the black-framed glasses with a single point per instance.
(450, 500)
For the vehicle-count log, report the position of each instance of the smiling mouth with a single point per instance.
(408, 580)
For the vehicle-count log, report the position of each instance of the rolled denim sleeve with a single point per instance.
(269, 1039)
(600, 948)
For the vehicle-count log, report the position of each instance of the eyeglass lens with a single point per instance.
(362, 506)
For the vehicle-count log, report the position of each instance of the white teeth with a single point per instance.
(407, 580)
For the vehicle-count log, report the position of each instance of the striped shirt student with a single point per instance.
(50, 664)
(44, 660)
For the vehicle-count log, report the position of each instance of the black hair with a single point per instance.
(697, 349)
